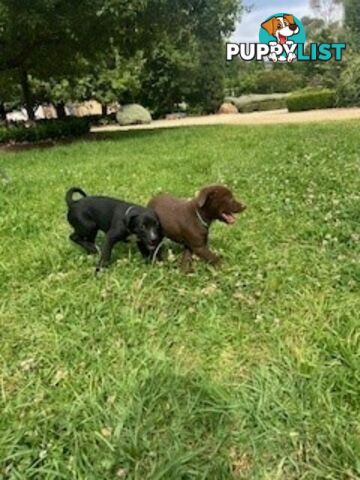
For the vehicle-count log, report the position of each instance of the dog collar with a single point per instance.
(201, 220)
(128, 210)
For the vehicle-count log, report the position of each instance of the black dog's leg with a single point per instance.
(143, 250)
(149, 254)
(112, 237)
(87, 244)
(85, 231)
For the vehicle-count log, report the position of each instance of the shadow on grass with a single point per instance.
(117, 135)
(178, 426)
(90, 137)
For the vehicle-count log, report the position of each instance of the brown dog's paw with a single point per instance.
(216, 261)
(186, 269)
(186, 266)
(186, 261)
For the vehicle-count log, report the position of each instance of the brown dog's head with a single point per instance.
(218, 203)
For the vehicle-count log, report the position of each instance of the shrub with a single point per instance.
(348, 89)
(96, 120)
(253, 103)
(44, 130)
(311, 100)
(271, 81)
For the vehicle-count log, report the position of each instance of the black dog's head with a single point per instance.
(146, 226)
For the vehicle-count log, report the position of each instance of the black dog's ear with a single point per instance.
(130, 221)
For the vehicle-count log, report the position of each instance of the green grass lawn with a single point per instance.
(248, 371)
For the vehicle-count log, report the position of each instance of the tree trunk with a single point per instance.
(103, 110)
(26, 90)
(60, 110)
(2, 112)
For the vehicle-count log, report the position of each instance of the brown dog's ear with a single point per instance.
(203, 196)
(269, 25)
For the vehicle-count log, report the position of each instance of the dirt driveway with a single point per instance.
(272, 117)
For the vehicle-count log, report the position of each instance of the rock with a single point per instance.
(259, 102)
(228, 108)
(175, 116)
(133, 114)
(83, 109)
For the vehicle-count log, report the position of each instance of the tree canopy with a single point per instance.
(156, 50)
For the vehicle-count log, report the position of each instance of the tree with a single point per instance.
(10, 95)
(113, 79)
(110, 79)
(348, 89)
(65, 49)
(322, 30)
(183, 51)
(165, 77)
(352, 19)
(216, 20)
(328, 10)
(46, 38)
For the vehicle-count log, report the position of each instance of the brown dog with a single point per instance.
(188, 221)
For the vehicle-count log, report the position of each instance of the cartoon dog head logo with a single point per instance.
(281, 27)
(282, 38)
(285, 30)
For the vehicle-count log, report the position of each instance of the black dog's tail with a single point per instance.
(69, 196)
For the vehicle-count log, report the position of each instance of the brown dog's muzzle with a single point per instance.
(293, 27)
(238, 207)
(235, 207)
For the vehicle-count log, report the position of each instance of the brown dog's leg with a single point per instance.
(186, 260)
(206, 254)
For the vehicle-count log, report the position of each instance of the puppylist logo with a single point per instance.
(282, 39)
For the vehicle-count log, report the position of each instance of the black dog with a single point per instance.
(117, 219)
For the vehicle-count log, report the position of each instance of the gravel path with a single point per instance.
(272, 117)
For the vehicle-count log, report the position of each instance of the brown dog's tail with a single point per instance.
(69, 195)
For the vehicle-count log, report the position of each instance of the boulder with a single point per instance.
(175, 116)
(133, 114)
(83, 109)
(228, 108)
(259, 102)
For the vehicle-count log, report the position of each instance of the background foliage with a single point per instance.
(159, 53)
(163, 54)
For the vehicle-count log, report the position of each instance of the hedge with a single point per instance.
(253, 103)
(44, 130)
(100, 120)
(311, 100)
